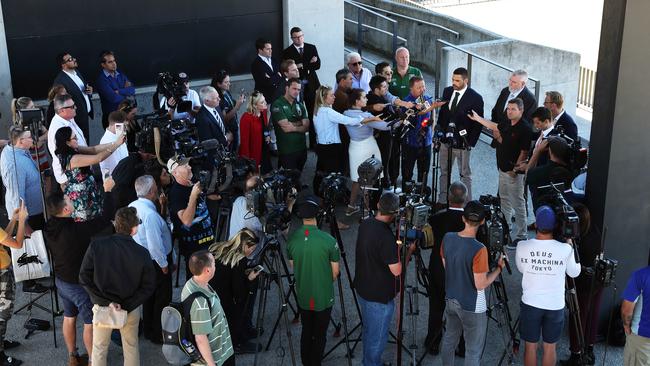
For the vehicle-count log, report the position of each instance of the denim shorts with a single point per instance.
(75, 301)
(533, 320)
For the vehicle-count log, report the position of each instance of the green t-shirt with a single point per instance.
(288, 142)
(399, 85)
(312, 250)
(209, 320)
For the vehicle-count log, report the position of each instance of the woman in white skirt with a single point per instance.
(362, 143)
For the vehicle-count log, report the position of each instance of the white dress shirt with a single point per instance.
(153, 232)
(58, 122)
(267, 60)
(326, 123)
(77, 80)
(511, 96)
(111, 161)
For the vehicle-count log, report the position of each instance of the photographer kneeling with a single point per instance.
(543, 262)
(314, 256)
(235, 284)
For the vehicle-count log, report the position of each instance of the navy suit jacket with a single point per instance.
(471, 100)
(266, 80)
(568, 124)
(208, 127)
(308, 70)
(530, 104)
(77, 96)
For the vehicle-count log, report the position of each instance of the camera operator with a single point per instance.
(466, 278)
(543, 262)
(461, 99)
(637, 333)
(314, 256)
(240, 216)
(588, 297)
(512, 142)
(377, 267)
(556, 170)
(171, 105)
(442, 222)
(188, 210)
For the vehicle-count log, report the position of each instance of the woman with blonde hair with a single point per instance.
(56, 89)
(235, 284)
(254, 133)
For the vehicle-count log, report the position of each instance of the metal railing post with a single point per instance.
(469, 69)
(538, 88)
(438, 66)
(359, 31)
(394, 43)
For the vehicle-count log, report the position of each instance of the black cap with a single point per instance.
(474, 211)
(388, 203)
(307, 206)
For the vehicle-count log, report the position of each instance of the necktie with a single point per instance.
(301, 50)
(454, 102)
(219, 122)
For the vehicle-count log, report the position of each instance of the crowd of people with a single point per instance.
(112, 235)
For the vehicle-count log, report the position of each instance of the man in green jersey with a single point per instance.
(314, 256)
(399, 84)
(291, 121)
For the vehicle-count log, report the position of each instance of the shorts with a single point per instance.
(75, 301)
(533, 319)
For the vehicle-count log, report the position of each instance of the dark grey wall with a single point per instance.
(618, 180)
(148, 36)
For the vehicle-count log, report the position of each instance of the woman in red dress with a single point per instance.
(254, 133)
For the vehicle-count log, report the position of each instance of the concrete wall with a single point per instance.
(556, 69)
(322, 23)
(6, 93)
(420, 37)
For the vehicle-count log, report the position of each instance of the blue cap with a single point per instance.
(545, 218)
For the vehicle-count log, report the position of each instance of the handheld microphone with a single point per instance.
(450, 130)
(462, 134)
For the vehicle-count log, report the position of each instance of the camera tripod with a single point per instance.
(274, 260)
(329, 214)
(499, 311)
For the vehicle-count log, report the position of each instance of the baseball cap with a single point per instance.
(308, 206)
(474, 211)
(545, 218)
(388, 203)
(183, 76)
(176, 161)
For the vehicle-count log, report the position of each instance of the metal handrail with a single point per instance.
(373, 62)
(404, 40)
(456, 34)
(360, 25)
(470, 56)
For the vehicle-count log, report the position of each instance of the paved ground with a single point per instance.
(39, 349)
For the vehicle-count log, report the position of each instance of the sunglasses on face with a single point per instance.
(69, 59)
(358, 63)
(69, 107)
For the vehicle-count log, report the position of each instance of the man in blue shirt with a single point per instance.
(21, 178)
(153, 234)
(637, 346)
(417, 142)
(112, 86)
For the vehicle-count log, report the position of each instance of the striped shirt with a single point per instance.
(209, 320)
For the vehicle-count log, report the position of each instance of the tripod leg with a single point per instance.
(262, 304)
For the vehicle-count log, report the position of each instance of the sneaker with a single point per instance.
(247, 347)
(351, 210)
(76, 360)
(9, 361)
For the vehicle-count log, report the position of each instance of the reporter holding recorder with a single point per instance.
(543, 262)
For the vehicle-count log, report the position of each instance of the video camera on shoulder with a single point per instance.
(567, 222)
(268, 201)
(495, 233)
(173, 86)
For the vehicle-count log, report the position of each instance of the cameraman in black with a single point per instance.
(188, 210)
(442, 222)
(556, 170)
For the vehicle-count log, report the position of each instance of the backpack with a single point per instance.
(177, 327)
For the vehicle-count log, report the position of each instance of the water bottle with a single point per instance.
(191, 350)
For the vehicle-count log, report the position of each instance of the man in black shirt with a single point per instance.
(512, 141)
(188, 210)
(377, 104)
(68, 241)
(124, 176)
(556, 170)
(377, 267)
(445, 221)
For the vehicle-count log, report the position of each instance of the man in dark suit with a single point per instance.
(76, 86)
(461, 100)
(555, 102)
(265, 70)
(516, 89)
(209, 119)
(442, 222)
(306, 57)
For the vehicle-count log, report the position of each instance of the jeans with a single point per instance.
(462, 156)
(511, 192)
(376, 323)
(473, 325)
